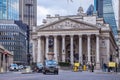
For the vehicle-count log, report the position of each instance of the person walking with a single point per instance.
(104, 67)
(89, 67)
(92, 67)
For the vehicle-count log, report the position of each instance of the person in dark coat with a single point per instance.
(104, 67)
(92, 67)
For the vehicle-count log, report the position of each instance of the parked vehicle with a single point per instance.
(50, 66)
(21, 67)
(39, 67)
(13, 67)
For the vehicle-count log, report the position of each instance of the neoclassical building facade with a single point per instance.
(74, 38)
(6, 58)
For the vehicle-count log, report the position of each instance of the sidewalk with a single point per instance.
(3, 72)
(102, 72)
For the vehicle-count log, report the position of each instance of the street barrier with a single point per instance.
(84, 68)
(76, 67)
(112, 64)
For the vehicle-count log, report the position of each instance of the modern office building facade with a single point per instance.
(25, 10)
(12, 12)
(104, 8)
(119, 14)
(13, 36)
(90, 10)
(119, 28)
(98, 7)
(28, 12)
(9, 9)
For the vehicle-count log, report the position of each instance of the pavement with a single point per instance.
(101, 72)
(63, 75)
(97, 72)
(30, 72)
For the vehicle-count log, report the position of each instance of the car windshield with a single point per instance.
(39, 65)
(13, 64)
(51, 63)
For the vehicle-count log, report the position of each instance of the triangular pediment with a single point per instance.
(68, 24)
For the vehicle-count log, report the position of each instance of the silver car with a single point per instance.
(13, 67)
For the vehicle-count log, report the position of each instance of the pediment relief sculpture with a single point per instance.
(68, 24)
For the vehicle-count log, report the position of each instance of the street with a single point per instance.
(63, 75)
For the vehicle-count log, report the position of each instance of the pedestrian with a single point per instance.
(92, 67)
(116, 67)
(104, 67)
(89, 67)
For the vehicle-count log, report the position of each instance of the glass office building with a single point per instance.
(28, 12)
(13, 32)
(104, 8)
(13, 36)
(109, 15)
(12, 12)
(98, 7)
(90, 10)
(9, 9)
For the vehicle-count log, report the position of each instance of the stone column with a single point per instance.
(39, 50)
(97, 53)
(7, 63)
(63, 48)
(33, 50)
(80, 49)
(4, 63)
(71, 49)
(88, 47)
(9, 60)
(55, 48)
(47, 47)
(108, 49)
(43, 49)
(0, 62)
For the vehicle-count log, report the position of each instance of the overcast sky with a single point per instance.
(62, 7)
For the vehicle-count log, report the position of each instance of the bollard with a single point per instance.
(84, 67)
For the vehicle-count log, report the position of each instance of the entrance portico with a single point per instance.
(74, 45)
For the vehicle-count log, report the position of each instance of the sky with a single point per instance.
(62, 7)
(115, 7)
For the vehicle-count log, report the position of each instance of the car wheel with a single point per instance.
(44, 72)
(56, 72)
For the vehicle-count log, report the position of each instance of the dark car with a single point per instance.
(50, 66)
(39, 67)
